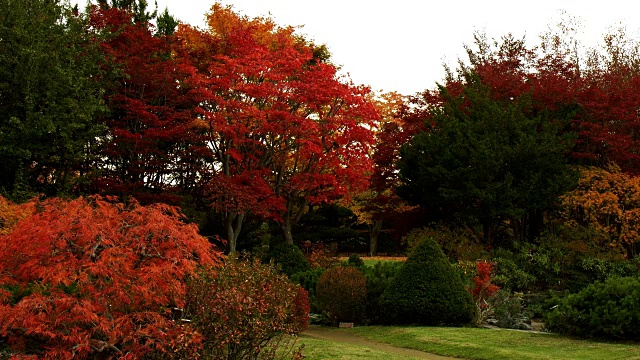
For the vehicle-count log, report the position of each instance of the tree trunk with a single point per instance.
(286, 231)
(233, 226)
(374, 231)
(487, 229)
(630, 249)
(291, 219)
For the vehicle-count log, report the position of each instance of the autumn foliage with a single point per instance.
(246, 309)
(283, 128)
(150, 151)
(483, 290)
(608, 201)
(91, 277)
(11, 213)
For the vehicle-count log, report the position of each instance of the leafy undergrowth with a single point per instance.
(479, 343)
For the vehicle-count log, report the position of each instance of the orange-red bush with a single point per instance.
(301, 307)
(245, 310)
(342, 292)
(483, 290)
(88, 278)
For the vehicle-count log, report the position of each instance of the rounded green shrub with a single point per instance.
(609, 309)
(428, 290)
(342, 293)
(309, 280)
(289, 258)
(379, 277)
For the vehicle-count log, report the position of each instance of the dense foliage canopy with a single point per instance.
(486, 160)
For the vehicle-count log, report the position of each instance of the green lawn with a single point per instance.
(315, 349)
(472, 343)
(373, 261)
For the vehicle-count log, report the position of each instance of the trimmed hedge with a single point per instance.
(609, 309)
(428, 290)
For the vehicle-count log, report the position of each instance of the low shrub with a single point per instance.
(322, 256)
(509, 312)
(355, 261)
(379, 277)
(606, 309)
(342, 293)
(301, 310)
(289, 258)
(510, 274)
(308, 280)
(428, 290)
(483, 291)
(246, 309)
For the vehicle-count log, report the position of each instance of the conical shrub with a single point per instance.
(428, 290)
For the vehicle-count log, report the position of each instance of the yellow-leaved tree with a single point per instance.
(608, 201)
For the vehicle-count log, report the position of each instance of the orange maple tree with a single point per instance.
(607, 200)
(91, 278)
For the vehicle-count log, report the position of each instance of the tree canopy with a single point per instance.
(49, 98)
(486, 160)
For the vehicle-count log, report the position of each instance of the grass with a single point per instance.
(315, 349)
(478, 343)
(372, 260)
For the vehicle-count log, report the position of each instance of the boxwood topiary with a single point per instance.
(607, 309)
(428, 290)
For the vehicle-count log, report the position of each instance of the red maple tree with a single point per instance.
(284, 130)
(150, 151)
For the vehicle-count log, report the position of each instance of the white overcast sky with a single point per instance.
(400, 45)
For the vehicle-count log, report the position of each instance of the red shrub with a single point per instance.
(321, 257)
(246, 309)
(483, 289)
(342, 292)
(301, 309)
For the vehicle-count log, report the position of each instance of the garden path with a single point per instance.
(324, 333)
